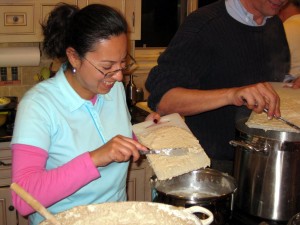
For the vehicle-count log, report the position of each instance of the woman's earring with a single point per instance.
(74, 70)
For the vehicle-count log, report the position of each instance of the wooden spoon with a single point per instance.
(34, 203)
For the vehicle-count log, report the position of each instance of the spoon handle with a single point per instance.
(34, 203)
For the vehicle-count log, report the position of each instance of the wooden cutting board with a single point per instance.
(169, 120)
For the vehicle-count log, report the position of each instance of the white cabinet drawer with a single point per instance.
(5, 164)
(17, 19)
(23, 18)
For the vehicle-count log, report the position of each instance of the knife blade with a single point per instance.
(166, 151)
(285, 121)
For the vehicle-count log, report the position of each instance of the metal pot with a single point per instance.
(208, 188)
(267, 169)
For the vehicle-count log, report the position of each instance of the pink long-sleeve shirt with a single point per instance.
(29, 172)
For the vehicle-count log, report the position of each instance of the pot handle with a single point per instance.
(197, 209)
(244, 145)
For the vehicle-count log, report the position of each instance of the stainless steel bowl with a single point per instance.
(208, 188)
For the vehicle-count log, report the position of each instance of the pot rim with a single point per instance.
(153, 181)
(196, 200)
(267, 134)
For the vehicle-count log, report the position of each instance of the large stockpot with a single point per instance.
(208, 188)
(266, 169)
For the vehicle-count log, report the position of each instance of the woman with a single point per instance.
(72, 140)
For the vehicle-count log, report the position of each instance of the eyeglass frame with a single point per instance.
(111, 73)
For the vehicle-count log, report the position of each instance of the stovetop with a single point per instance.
(240, 218)
(137, 115)
(7, 129)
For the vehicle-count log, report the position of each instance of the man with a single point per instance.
(219, 61)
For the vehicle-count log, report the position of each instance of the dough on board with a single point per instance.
(289, 107)
(166, 167)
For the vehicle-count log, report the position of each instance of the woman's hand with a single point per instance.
(154, 116)
(296, 83)
(118, 149)
(257, 97)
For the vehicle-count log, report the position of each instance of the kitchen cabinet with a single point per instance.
(133, 16)
(138, 186)
(8, 214)
(131, 9)
(138, 181)
(22, 18)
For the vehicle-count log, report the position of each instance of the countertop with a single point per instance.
(138, 114)
(5, 135)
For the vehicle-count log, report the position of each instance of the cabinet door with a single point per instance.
(133, 16)
(136, 185)
(117, 4)
(22, 19)
(22, 220)
(17, 20)
(45, 7)
(8, 215)
(131, 9)
(5, 164)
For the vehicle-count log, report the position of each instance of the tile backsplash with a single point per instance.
(25, 74)
(146, 59)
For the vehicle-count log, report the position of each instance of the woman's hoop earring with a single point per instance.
(74, 70)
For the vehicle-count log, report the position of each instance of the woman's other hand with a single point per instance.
(154, 116)
(292, 82)
(296, 83)
(118, 149)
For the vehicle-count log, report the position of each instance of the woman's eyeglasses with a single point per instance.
(111, 73)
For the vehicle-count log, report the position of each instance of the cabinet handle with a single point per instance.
(4, 164)
(15, 19)
(133, 19)
(11, 208)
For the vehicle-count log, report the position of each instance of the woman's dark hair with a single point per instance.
(68, 26)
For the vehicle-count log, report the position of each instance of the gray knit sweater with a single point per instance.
(211, 50)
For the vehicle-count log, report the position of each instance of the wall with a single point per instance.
(145, 57)
(25, 74)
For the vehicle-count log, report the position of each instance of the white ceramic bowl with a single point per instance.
(132, 213)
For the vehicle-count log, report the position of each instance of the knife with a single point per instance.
(166, 151)
(285, 121)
